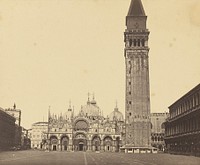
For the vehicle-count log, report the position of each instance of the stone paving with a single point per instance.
(34, 157)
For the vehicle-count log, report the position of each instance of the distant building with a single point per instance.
(86, 131)
(183, 125)
(25, 140)
(7, 130)
(158, 129)
(37, 134)
(16, 113)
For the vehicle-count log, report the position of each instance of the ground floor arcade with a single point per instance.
(187, 144)
(81, 142)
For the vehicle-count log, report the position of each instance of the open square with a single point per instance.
(35, 157)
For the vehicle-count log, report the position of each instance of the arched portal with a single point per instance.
(54, 143)
(108, 143)
(96, 143)
(64, 141)
(80, 142)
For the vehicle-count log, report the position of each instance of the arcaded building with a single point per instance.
(7, 130)
(183, 125)
(89, 130)
(158, 129)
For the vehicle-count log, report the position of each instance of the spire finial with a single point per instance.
(49, 115)
(88, 102)
(49, 109)
(116, 103)
(93, 95)
(70, 103)
(116, 107)
(14, 106)
(88, 96)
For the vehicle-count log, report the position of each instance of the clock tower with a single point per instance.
(137, 106)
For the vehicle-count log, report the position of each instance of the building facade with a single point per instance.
(7, 130)
(158, 130)
(89, 130)
(25, 140)
(137, 110)
(37, 133)
(16, 113)
(183, 125)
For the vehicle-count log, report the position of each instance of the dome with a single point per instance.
(116, 115)
(93, 101)
(91, 110)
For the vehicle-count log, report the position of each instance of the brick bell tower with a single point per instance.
(137, 110)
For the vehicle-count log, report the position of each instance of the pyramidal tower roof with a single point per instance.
(136, 8)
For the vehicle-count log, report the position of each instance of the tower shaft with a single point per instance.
(136, 51)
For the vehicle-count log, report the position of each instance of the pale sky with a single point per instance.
(53, 51)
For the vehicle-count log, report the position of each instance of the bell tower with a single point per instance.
(137, 106)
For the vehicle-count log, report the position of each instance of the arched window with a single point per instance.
(151, 125)
(197, 100)
(130, 42)
(138, 42)
(81, 125)
(135, 42)
(143, 42)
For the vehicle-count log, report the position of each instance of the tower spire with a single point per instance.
(136, 8)
(136, 17)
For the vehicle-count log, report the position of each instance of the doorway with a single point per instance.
(54, 147)
(81, 146)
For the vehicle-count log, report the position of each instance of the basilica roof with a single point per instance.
(116, 115)
(90, 109)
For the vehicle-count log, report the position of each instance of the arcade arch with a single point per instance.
(64, 141)
(108, 143)
(54, 142)
(96, 141)
(80, 142)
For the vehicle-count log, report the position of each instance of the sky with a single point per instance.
(54, 51)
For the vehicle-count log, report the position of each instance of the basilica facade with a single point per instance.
(89, 130)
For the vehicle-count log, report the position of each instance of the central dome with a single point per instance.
(91, 109)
